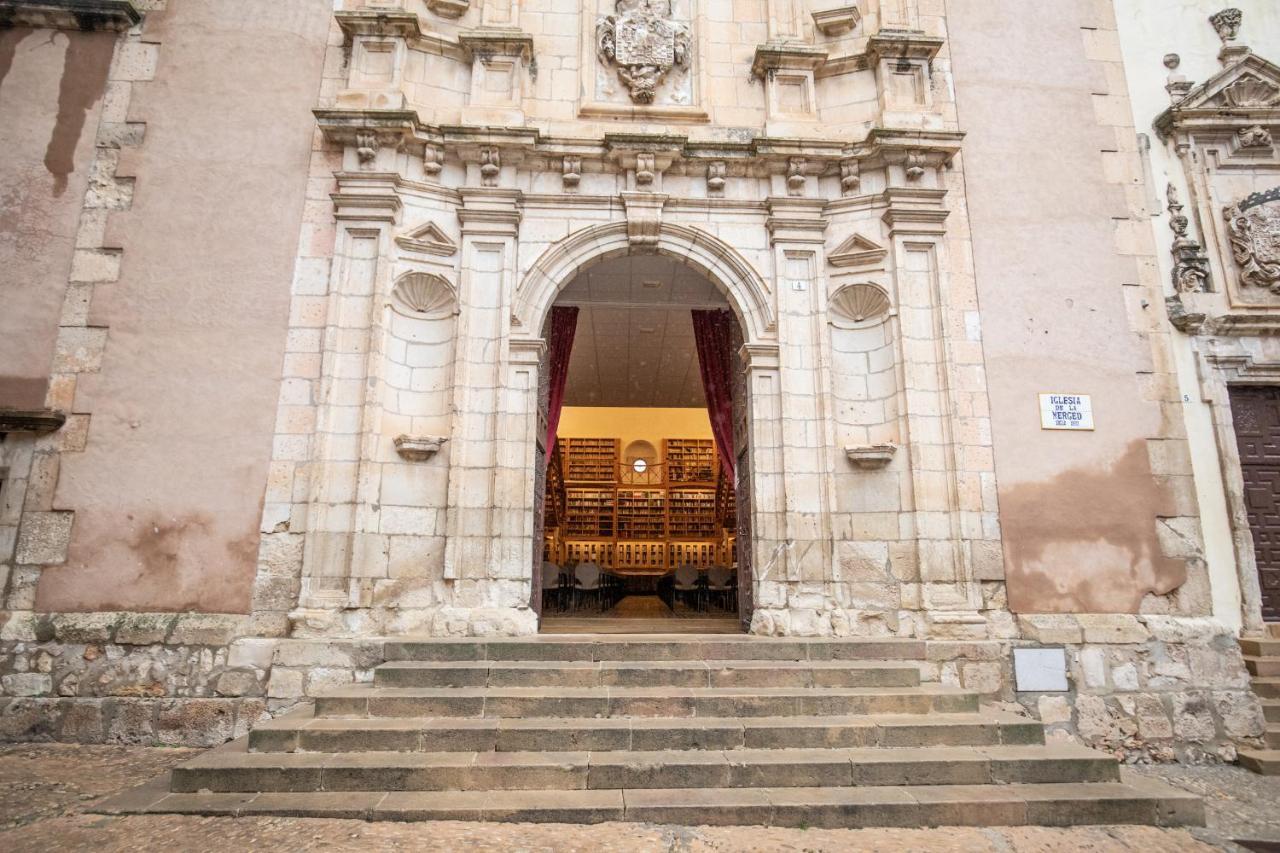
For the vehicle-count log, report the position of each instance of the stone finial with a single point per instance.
(1227, 24)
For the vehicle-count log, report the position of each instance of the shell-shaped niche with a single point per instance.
(1251, 92)
(858, 305)
(424, 295)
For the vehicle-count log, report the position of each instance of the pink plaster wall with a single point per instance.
(51, 87)
(168, 494)
(1078, 510)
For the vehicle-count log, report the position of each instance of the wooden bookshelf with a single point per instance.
(591, 460)
(641, 557)
(691, 514)
(690, 460)
(641, 514)
(589, 513)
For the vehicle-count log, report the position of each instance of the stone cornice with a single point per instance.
(106, 15)
(496, 42)
(378, 22)
(903, 44)
(26, 420)
(786, 55)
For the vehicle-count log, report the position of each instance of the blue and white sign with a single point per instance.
(1066, 411)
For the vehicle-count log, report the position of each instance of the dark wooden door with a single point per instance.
(1256, 412)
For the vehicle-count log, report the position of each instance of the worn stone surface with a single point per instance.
(44, 790)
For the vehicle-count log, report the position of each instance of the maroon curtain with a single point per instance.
(711, 333)
(564, 322)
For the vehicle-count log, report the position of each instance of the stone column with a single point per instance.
(796, 229)
(338, 506)
(951, 596)
(490, 448)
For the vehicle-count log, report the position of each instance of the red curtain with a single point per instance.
(711, 331)
(564, 322)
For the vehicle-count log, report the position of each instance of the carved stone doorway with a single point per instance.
(634, 349)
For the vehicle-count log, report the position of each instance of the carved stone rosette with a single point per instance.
(643, 43)
(1253, 226)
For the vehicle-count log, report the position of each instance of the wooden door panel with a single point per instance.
(1256, 412)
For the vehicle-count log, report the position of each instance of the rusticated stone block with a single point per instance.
(206, 629)
(84, 627)
(1050, 628)
(141, 629)
(43, 537)
(200, 722)
(1112, 628)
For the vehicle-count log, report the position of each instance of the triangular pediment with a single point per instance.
(429, 239)
(857, 251)
(1251, 83)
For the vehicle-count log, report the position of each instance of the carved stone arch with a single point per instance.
(722, 265)
(425, 295)
(859, 305)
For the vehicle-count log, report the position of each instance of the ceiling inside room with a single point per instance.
(634, 344)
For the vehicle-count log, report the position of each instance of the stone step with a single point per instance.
(1273, 629)
(392, 734)
(1263, 761)
(1262, 667)
(741, 673)
(1136, 801)
(1260, 647)
(1271, 710)
(1267, 688)
(650, 647)
(365, 700)
(1271, 737)
(232, 769)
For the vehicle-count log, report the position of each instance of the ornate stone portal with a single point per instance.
(643, 43)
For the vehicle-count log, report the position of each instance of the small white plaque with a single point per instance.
(1040, 670)
(1066, 411)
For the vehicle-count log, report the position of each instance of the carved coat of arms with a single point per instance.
(1254, 229)
(642, 41)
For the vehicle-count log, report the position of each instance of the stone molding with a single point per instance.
(108, 15)
(43, 420)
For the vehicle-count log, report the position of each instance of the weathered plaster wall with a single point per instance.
(51, 88)
(168, 493)
(1058, 282)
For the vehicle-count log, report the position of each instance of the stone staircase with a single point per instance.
(685, 730)
(1262, 657)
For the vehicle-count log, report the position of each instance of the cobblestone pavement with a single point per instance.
(45, 790)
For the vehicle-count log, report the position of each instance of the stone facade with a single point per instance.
(182, 556)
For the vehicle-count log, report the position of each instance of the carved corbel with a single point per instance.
(366, 149)
(795, 176)
(850, 176)
(490, 165)
(871, 457)
(432, 160)
(1183, 320)
(419, 448)
(571, 172)
(449, 8)
(644, 219)
(915, 164)
(716, 172)
(646, 169)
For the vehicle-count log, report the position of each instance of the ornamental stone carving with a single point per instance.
(1254, 229)
(1251, 92)
(1227, 24)
(1253, 137)
(1190, 266)
(643, 43)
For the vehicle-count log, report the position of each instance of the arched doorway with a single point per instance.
(643, 474)
(700, 273)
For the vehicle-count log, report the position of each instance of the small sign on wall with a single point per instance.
(1066, 411)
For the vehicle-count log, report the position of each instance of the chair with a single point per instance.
(552, 588)
(586, 582)
(687, 585)
(720, 586)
